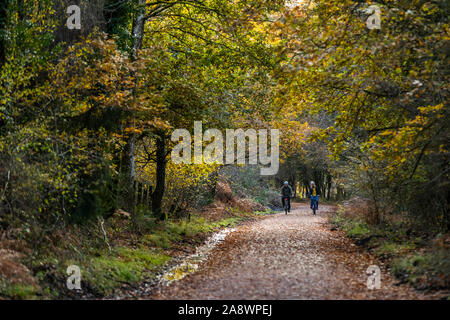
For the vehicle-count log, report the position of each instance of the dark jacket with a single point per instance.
(286, 191)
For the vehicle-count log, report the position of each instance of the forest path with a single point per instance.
(294, 256)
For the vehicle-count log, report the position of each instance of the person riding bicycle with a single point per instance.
(314, 194)
(286, 194)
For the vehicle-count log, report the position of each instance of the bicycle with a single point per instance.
(315, 204)
(286, 204)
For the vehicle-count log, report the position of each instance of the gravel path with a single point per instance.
(294, 256)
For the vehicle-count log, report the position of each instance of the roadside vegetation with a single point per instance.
(114, 255)
(413, 255)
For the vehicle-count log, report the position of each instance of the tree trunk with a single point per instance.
(149, 196)
(128, 164)
(338, 194)
(3, 18)
(158, 194)
(129, 200)
(214, 177)
(294, 186)
(139, 192)
(138, 28)
(329, 180)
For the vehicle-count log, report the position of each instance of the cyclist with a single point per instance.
(286, 194)
(314, 194)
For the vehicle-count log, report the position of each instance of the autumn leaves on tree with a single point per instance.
(87, 116)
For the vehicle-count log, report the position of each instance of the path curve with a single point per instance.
(294, 256)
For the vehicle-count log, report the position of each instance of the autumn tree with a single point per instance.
(207, 48)
(386, 90)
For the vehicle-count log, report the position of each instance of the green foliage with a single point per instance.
(413, 259)
(118, 15)
(264, 213)
(394, 248)
(104, 271)
(68, 111)
(433, 267)
(124, 265)
(358, 230)
(160, 240)
(377, 98)
(246, 182)
(172, 231)
(77, 119)
(97, 198)
(355, 228)
(17, 291)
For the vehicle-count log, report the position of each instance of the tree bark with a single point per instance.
(3, 23)
(338, 194)
(329, 180)
(160, 187)
(128, 175)
(128, 160)
(138, 28)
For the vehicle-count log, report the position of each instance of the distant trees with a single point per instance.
(386, 92)
(79, 107)
(194, 50)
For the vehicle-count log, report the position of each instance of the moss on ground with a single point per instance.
(419, 269)
(17, 291)
(169, 232)
(122, 266)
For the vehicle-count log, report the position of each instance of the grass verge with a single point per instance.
(124, 258)
(421, 260)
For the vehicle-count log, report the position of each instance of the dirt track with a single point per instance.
(286, 257)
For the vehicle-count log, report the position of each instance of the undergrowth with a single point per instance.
(421, 260)
(124, 258)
